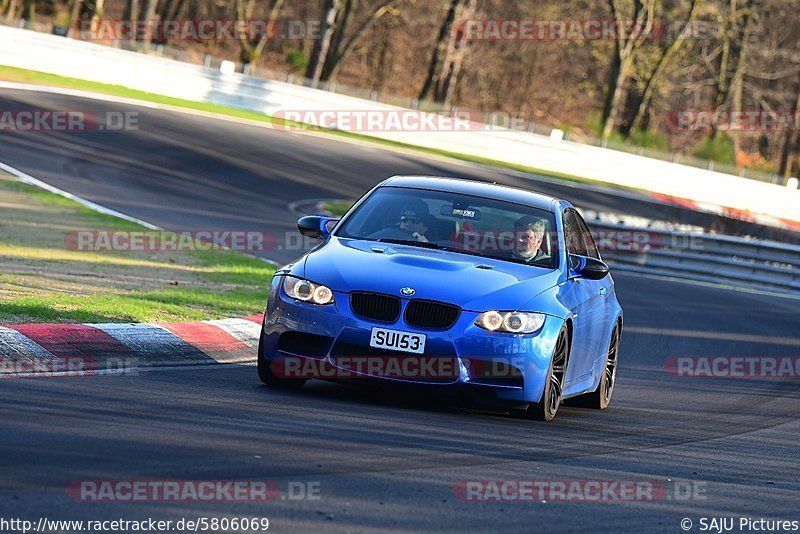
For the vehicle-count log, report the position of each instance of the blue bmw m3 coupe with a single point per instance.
(448, 283)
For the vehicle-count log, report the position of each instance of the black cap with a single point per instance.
(417, 210)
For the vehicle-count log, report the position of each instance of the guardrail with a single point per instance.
(700, 256)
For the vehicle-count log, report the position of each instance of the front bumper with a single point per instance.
(331, 338)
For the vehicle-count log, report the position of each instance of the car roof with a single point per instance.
(475, 188)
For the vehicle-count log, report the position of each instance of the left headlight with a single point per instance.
(307, 291)
(514, 322)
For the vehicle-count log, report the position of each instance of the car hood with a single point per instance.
(471, 282)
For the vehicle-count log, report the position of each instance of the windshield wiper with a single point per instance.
(423, 244)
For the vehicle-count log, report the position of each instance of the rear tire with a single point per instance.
(600, 398)
(547, 407)
(266, 375)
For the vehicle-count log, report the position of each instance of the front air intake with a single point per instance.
(375, 306)
(431, 314)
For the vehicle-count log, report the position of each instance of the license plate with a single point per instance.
(383, 338)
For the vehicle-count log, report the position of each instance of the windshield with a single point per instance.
(461, 223)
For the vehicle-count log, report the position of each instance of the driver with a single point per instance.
(528, 236)
(413, 225)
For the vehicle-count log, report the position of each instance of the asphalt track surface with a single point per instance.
(385, 459)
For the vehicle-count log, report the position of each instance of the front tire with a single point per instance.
(547, 407)
(266, 375)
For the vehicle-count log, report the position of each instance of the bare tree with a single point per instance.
(170, 9)
(97, 8)
(12, 8)
(336, 41)
(149, 18)
(252, 49)
(661, 64)
(344, 41)
(74, 15)
(322, 45)
(737, 27)
(132, 14)
(790, 140)
(21, 9)
(449, 52)
(625, 46)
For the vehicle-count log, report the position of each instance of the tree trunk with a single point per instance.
(252, 50)
(342, 26)
(271, 22)
(622, 62)
(13, 7)
(172, 9)
(342, 47)
(133, 17)
(99, 10)
(30, 11)
(149, 18)
(617, 96)
(440, 50)
(737, 82)
(613, 80)
(661, 66)
(447, 84)
(382, 59)
(323, 44)
(790, 142)
(733, 63)
(74, 15)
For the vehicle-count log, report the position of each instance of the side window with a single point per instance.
(586, 237)
(572, 234)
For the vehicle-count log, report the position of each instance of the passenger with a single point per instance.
(412, 226)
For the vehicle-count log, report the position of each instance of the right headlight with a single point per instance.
(514, 322)
(306, 291)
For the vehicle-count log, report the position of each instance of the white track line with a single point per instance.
(30, 180)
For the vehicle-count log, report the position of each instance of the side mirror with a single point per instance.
(587, 267)
(315, 226)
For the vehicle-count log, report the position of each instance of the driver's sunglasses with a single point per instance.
(412, 220)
